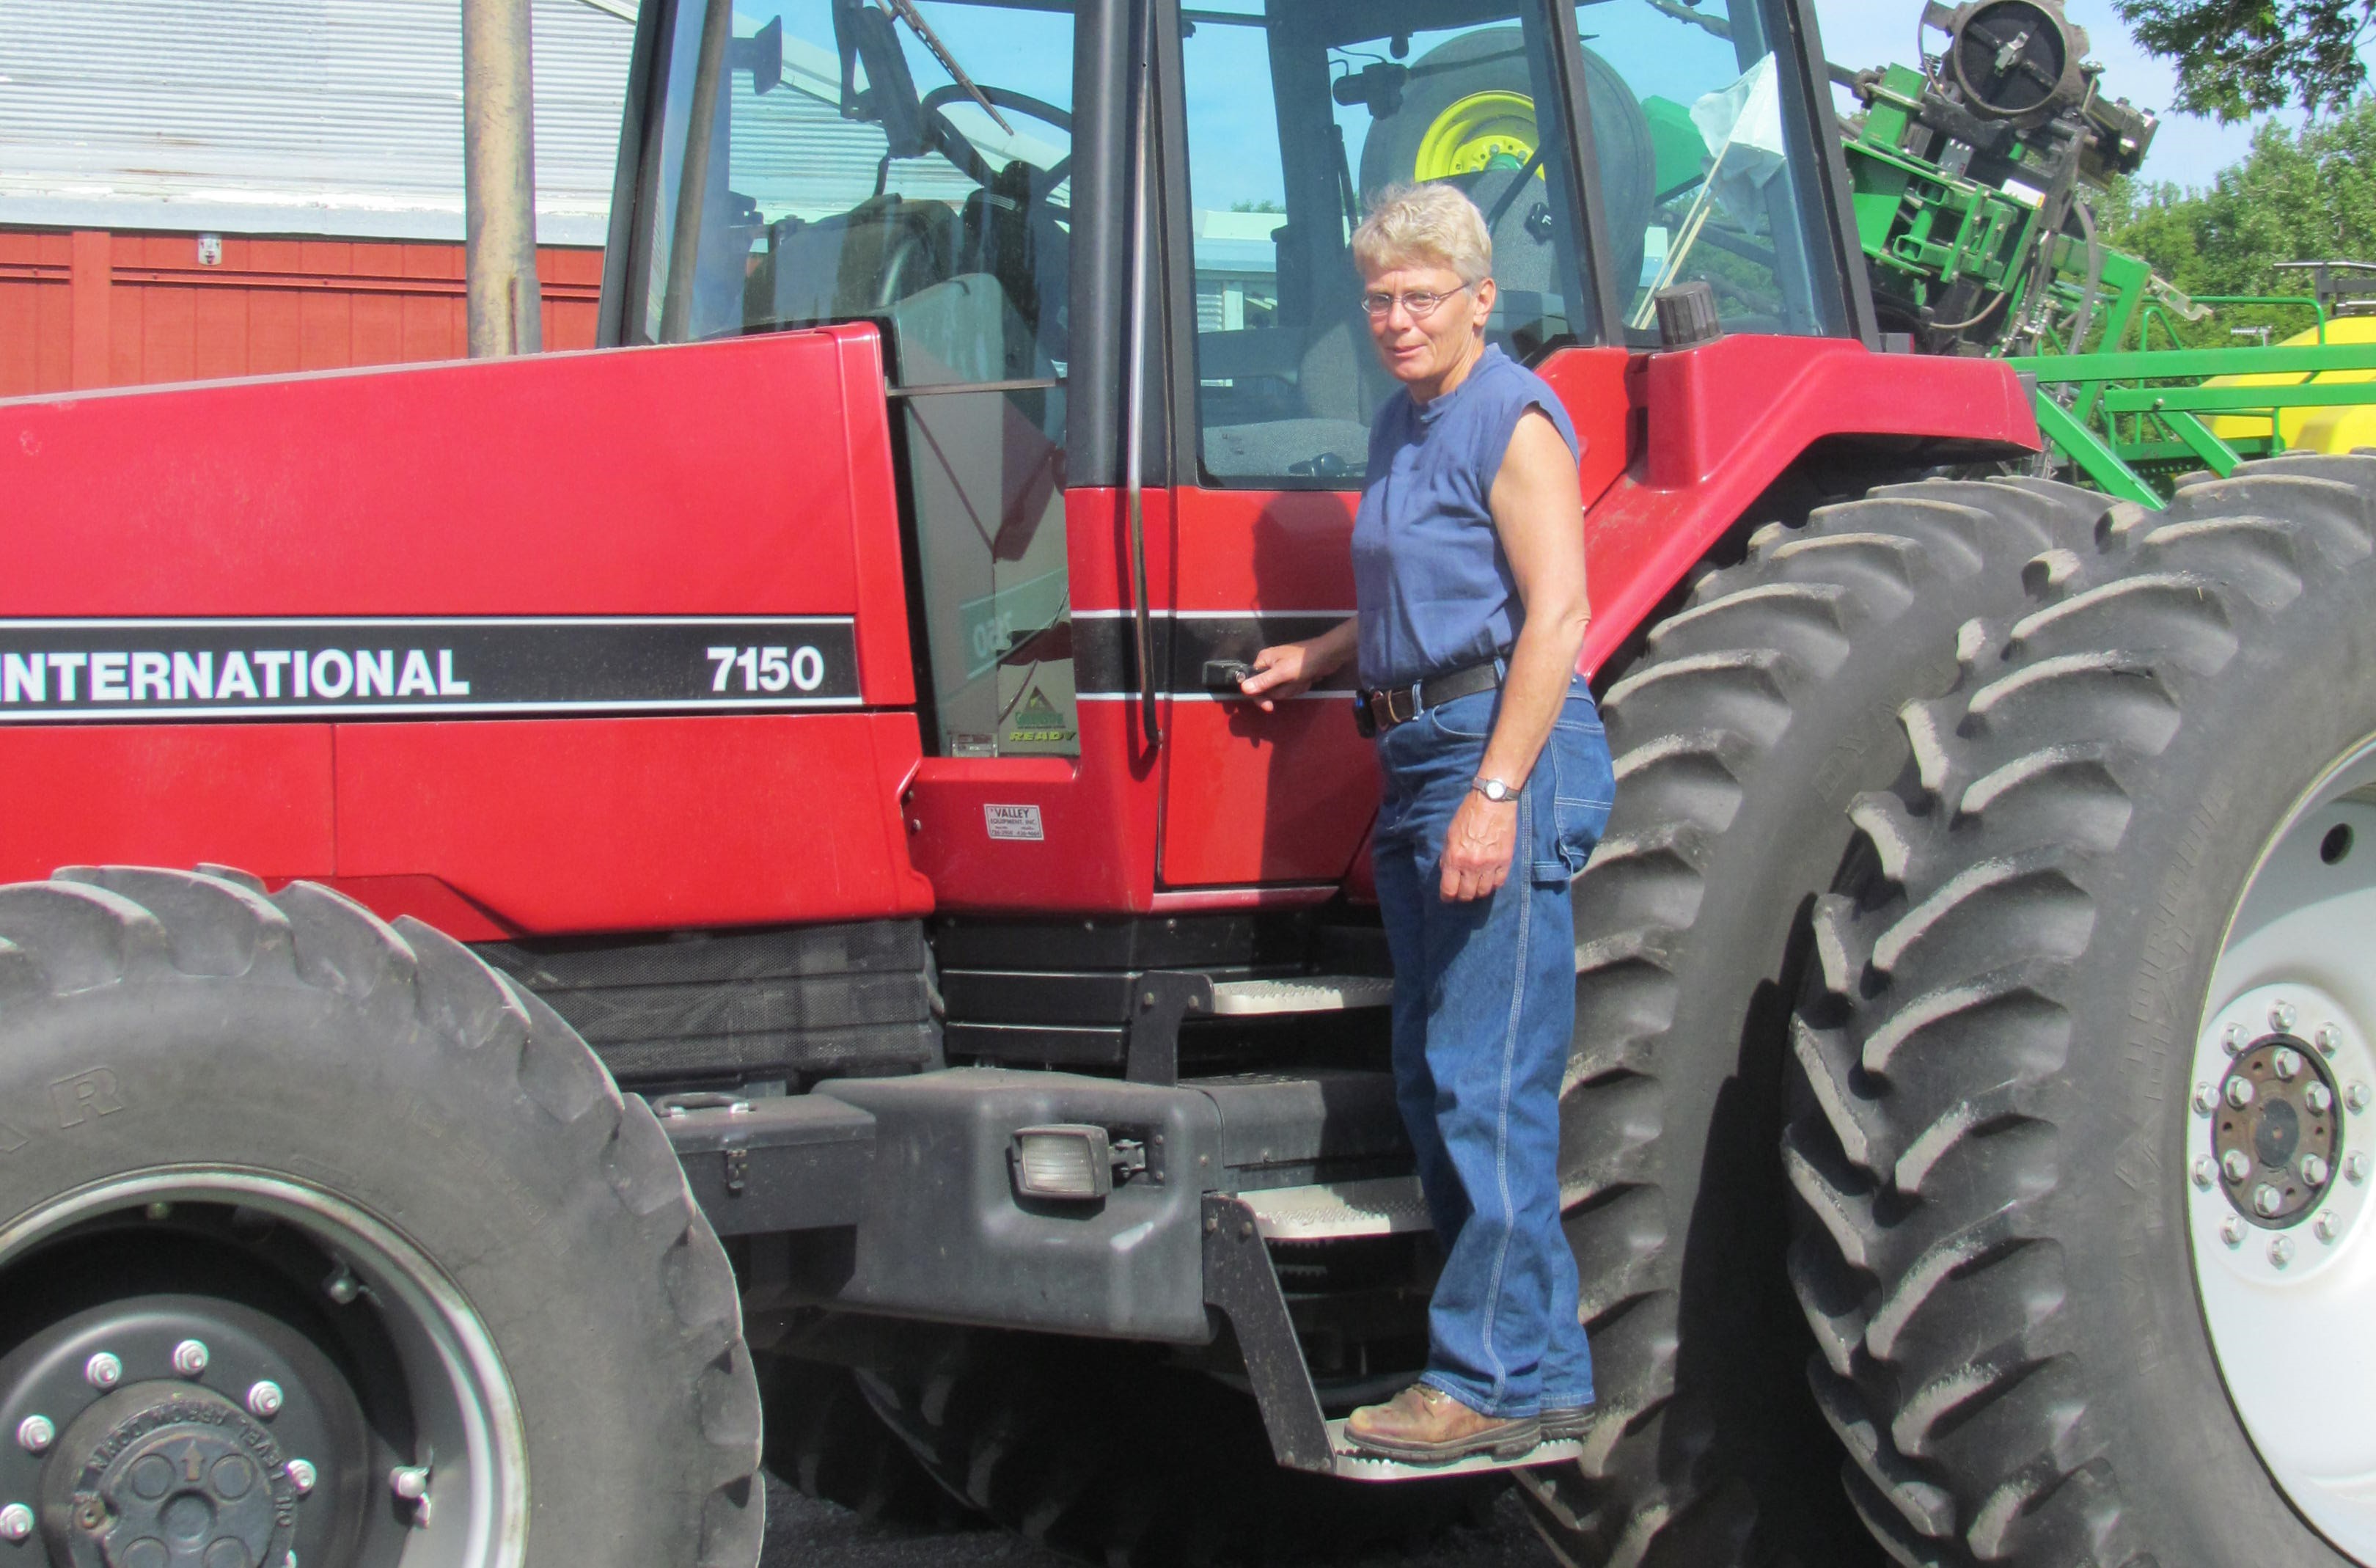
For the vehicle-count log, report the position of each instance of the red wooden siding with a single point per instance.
(90, 308)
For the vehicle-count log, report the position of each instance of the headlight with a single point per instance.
(1066, 1161)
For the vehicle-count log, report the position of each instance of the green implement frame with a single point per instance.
(2129, 418)
(2120, 396)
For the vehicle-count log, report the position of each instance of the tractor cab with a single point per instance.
(962, 176)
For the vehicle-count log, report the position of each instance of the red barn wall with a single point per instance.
(89, 307)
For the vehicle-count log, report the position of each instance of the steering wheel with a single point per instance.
(954, 146)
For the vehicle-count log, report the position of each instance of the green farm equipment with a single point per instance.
(1972, 179)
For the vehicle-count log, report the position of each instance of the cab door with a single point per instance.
(1293, 114)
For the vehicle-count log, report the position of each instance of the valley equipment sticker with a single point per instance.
(256, 668)
(1014, 822)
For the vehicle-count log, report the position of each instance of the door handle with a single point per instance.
(1223, 675)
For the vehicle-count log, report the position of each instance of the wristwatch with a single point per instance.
(1495, 789)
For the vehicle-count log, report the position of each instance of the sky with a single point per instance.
(2187, 151)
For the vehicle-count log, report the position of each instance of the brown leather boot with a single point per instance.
(1426, 1426)
(1568, 1420)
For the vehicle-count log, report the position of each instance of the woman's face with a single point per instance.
(1424, 348)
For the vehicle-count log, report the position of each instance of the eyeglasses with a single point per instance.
(1418, 307)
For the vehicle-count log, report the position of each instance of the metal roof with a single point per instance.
(331, 117)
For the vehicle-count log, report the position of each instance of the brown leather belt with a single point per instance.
(1374, 712)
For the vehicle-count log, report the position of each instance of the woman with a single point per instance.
(1470, 592)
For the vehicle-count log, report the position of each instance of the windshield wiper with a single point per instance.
(905, 10)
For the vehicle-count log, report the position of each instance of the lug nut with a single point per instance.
(2236, 1165)
(2286, 1063)
(2281, 1251)
(264, 1400)
(409, 1482)
(16, 1523)
(34, 1434)
(301, 1476)
(2231, 1230)
(2355, 1097)
(2206, 1172)
(2316, 1170)
(2267, 1200)
(2355, 1169)
(102, 1372)
(190, 1358)
(2231, 1039)
(2206, 1099)
(2324, 1229)
(2329, 1037)
(2239, 1092)
(2319, 1098)
(2281, 1017)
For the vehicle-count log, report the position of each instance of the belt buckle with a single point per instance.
(1409, 691)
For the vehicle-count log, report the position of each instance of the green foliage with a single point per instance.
(2236, 56)
(1265, 205)
(2305, 196)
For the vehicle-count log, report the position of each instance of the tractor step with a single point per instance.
(1353, 1465)
(1305, 994)
(1332, 1211)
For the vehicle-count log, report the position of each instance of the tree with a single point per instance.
(2304, 195)
(2237, 56)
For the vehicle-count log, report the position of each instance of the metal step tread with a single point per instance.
(1352, 1464)
(1381, 1206)
(1303, 994)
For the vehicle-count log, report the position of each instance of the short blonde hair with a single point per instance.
(1430, 222)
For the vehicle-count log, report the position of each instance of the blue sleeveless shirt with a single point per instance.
(1432, 588)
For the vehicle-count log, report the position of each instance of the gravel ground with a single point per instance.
(802, 1533)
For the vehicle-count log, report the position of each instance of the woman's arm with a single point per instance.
(1538, 511)
(1289, 669)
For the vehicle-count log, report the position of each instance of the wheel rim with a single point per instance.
(1475, 133)
(2281, 1152)
(468, 1511)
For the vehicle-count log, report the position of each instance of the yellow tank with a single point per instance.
(2320, 430)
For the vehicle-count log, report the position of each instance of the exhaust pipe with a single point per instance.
(499, 180)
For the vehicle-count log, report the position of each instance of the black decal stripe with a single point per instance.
(388, 667)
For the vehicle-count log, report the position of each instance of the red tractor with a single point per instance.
(762, 930)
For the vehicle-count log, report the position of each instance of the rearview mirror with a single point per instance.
(762, 55)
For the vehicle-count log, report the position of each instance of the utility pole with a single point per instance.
(499, 180)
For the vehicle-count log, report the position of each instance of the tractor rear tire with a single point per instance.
(355, 1152)
(2055, 1326)
(825, 1441)
(1101, 1451)
(1756, 713)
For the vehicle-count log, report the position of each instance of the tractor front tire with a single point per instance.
(2084, 1151)
(320, 1240)
(1757, 713)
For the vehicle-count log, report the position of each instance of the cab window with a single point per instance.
(1707, 172)
(1299, 113)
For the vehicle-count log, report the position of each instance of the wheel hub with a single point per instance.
(173, 1431)
(2279, 1180)
(2277, 1129)
(172, 1476)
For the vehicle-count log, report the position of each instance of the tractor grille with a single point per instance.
(699, 1009)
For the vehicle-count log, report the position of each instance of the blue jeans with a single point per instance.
(1484, 1005)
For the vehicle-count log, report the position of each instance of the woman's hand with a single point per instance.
(1288, 670)
(1478, 847)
